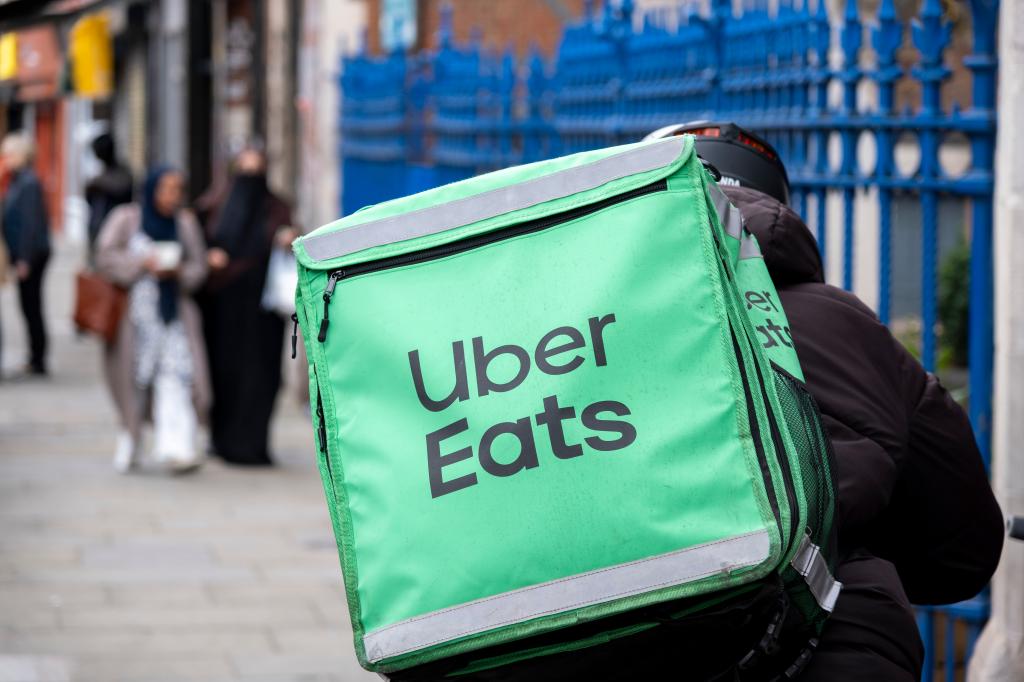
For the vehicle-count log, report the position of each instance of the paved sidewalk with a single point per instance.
(227, 574)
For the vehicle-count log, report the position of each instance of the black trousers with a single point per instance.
(30, 295)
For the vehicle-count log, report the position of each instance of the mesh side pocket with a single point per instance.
(814, 452)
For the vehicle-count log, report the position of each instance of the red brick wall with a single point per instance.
(501, 23)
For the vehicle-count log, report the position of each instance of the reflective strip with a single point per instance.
(719, 199)
(728, 215)
(749, 248)
(472, 209)
(809, 563)
(733, 222)
(566, 594)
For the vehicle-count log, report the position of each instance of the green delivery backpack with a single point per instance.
(558, 405)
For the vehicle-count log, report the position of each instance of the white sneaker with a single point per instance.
(124, 453)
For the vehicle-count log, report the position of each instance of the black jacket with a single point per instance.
(912, 487)
(912, 494)
(26, 225)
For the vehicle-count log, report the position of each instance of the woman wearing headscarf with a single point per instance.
(157, 366)
(243, 340)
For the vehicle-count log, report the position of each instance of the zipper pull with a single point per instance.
(295, 334)
(332, 282)
(321, 431)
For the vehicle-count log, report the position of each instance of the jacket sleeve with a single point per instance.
(193, 266)
(114, 259)
(943, 528)
(865, 476)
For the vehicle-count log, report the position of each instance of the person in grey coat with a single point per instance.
(157, 366)
(27, 234)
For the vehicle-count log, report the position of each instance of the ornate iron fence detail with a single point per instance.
(373, 127)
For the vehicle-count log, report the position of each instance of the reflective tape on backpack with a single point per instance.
(749, 248)
(477, 207)
(809, 563)
(728, 215)
(573, 592)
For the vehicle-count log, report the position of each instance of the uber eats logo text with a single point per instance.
(560, 351)
(771, 332)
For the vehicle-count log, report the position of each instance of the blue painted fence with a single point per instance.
(794, 74)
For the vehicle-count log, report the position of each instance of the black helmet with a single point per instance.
(740, 156)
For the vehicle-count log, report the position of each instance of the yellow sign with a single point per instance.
(8, 56)
(92, 57)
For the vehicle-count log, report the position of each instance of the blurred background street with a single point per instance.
(158, 158)
(224, 574)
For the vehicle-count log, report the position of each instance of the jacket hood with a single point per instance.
(789, 249)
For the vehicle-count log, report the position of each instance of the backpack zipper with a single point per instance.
(755, 433)
(776, 437)
(332, 281)
(475, 242)
(781, 454)
(321, 430)
(295, 334)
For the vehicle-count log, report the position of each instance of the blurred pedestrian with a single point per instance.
(243, 340)
(4, 276)
(157, 366)
(27, 234)
(108, 190)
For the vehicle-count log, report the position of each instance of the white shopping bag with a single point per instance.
(282, 278)
(174, 422)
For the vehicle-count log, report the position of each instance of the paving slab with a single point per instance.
(225, 575)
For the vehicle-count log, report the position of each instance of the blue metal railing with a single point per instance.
(795, 75)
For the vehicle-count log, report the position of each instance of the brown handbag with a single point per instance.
(99, 305)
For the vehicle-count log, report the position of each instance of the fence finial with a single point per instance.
(535, 61)
(931, 33)
(886, 36)
(802, 9)
(821, 35)
(821, 13)
(683, 14)
(444, 29)
(626, 8)
(931, 36)
(721, 9)
(852, 34)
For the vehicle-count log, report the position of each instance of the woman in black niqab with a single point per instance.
(244, 341)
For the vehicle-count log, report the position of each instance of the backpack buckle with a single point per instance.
(769, 644)
(802, 660)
